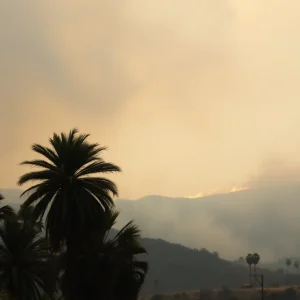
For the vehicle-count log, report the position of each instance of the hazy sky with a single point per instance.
(190, 96)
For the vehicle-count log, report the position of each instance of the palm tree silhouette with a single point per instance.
(111, 270)
(23, 260)
(288, 262)
(67, 190)
(6, 210)
(255, 260)
(131, 272)
(249, 260)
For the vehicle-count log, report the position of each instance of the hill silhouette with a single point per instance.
(175, 268)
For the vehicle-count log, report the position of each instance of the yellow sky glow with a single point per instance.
(189, 96)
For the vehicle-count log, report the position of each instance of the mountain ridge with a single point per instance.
(232, 223)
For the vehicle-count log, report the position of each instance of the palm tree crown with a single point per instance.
(255, 258)
(67, 190)
(255, 261)
(249, 259)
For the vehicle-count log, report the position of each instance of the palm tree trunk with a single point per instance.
(250, 279)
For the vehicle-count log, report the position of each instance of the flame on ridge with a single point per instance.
(233, 189)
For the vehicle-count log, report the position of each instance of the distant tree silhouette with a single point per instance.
(296, 264)
(255, 260)
(5, 210)
(288, 262)
(249, 260)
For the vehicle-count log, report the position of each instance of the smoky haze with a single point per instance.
(189, 96)
(263, 220)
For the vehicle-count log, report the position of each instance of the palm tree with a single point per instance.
(23, 260)
(132, 272)
(255, 260)
(6, 210)
(249, 260)
(67, 190)
(296, 264)
(111, 270)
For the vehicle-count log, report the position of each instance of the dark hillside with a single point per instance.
(174, 267)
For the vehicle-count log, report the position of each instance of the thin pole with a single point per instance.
(262, 287)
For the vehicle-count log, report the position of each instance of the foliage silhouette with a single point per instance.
(68, 187)
(288, 262)
(24, 258)
(255, 261)
(5, 210)
(77, 205)
(249, 261)
(111, 269)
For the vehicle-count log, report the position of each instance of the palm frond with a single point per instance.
(46, 152)
(100, 185)
(94, 150)
(37, 176)
(33, 188)
(129, 232)
(23, 257)
(111, 218)
(98, 167)
(41, 163)
(38, 193)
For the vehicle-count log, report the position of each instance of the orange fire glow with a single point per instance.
(234, 189)
(238, 188)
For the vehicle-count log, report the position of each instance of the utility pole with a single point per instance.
(261, 283)
(262, 287)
